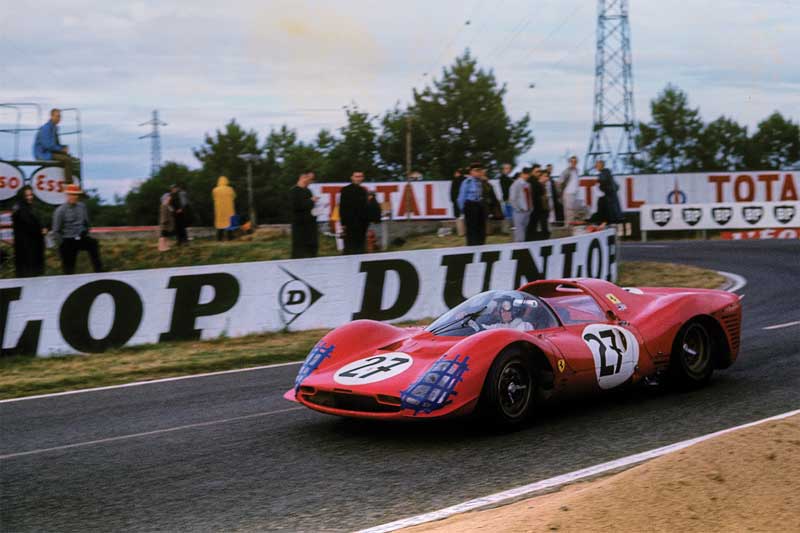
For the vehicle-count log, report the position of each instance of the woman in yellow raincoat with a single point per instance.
(224, 196)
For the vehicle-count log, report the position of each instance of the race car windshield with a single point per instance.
(494, 310)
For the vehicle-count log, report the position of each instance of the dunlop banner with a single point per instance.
(92, 313)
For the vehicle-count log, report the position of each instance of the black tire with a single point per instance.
(692, 359)
(509, 391)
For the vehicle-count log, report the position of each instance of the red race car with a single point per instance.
(502, 352)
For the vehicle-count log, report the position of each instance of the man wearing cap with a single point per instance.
(470, 200)
(46, 146)
(71, 228)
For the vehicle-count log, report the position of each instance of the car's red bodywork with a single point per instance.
(565, 358)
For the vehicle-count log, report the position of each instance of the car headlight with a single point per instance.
(433, 389)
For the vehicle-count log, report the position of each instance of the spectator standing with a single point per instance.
(572, 195)
(538, 228)
(455, 186)
(354, 215)
(71, 228)
(223, 195)
(471, 203)
(46, 146)
(166, 221)
(555, 196)
(506, 179)
(519, 197)
(305, 234)
(181, 211)
(609, 189)
(28, 236)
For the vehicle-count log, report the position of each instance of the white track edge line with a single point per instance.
(737, 280)
(781, 326)
(557, 481)
(149, 382)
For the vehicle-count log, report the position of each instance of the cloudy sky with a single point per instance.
(269, 62)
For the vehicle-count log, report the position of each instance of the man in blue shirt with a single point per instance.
(47, 148)
(470, 201)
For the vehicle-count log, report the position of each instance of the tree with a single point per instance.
(723, 146)
(356, 150)
(459, 119)
(142, 201)
(219, 156)
(671, 141)
(775, 144)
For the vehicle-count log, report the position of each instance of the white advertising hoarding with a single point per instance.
(431, 199)
(720, 216)
(92, 313)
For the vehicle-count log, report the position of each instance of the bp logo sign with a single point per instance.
(752, 214)
(784, 213)
(295, 297)
(661, 216)
(692, 215)
(722, 215)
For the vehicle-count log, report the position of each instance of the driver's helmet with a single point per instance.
(508, 308)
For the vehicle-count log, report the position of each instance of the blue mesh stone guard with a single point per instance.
(433, 390)
(318, 353)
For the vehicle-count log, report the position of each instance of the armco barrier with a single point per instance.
(92, 313)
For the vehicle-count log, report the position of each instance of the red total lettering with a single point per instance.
(2, 182)
(767, 180)
(408, 204)
(331, 191)
(788, 191)
(40, 182)
(13, 182)
(587, 184)
(719, 180)
(430, 209)
(737, 189)
(387, 191)
(632, 204)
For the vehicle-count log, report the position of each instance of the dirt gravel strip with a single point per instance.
(739, 479)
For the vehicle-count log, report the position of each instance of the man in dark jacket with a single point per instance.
(538, 228)
(180, 209)
(455, 186)
(506, 179)
(354, 215)
(28, 237)
(609, 188)
(305, 238)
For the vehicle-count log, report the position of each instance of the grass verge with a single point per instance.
(26, 376)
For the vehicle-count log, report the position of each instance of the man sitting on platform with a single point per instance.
(46, 147)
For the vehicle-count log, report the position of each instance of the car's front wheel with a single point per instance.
(692, 361)
(508, 394)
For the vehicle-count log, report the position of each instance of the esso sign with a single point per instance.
(11, 180)
(48, 185)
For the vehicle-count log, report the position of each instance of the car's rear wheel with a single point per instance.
(692, 360)
(508, 393)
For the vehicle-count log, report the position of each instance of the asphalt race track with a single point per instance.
(226, 452)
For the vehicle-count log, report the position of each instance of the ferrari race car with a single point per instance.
(501, 353)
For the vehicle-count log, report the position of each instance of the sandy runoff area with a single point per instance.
(748, 480)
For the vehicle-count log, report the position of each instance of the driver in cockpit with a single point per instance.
(510, 314)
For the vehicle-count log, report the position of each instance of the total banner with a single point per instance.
(431, 199)
(721, 216)
(92, 313)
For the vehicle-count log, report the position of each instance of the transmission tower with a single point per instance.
(155, 143)
(613, 131)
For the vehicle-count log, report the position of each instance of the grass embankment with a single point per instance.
(24, 376)
(263, 245)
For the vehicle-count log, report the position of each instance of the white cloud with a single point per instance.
(299, 61)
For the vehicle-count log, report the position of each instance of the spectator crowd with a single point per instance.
(530, 201)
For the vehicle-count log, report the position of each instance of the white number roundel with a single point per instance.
(372, 369)
(615, 351)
